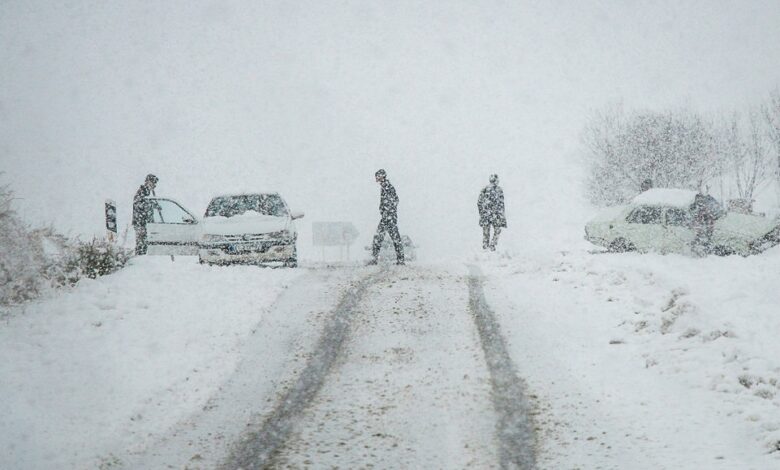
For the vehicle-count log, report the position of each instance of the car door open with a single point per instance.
(173, 230)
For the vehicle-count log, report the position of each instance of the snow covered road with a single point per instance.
(410, 350)
(177, 365)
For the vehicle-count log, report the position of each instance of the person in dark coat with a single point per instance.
(491, 213)
(142, 212)
(388, 219)
(705, 211)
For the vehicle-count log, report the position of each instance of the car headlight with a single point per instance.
(281, 235)
(214, 238)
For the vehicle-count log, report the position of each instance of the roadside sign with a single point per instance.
(334, 233)
(338, 234)
(110, 211)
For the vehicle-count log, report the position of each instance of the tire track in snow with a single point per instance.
(514, 428)
(257, 448)
(411, 388)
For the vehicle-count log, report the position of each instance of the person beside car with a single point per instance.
(142, 212)
(388, 219)
(705, 210)
(491, 213)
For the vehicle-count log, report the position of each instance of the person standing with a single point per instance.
(142, 212)
(388, 219)
(491, 213)
(705, 211)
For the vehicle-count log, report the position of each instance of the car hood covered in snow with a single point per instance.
(245, 223)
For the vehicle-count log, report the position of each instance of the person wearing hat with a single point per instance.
(491, 212)
(388, 220)
(142, 212)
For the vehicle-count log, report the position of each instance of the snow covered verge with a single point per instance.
(109, 363)
(646, 361)
(36, 261)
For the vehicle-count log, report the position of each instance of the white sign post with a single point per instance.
(110, 210)
(341, 234)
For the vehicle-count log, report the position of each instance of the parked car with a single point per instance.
(387, 250)
(249, 228)
(236, 228)
(660, 220)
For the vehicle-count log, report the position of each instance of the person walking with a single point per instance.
(388, 219)
(491, 213)
(142, 212)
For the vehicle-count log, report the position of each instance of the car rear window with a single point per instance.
(678, 217)
(229, 206)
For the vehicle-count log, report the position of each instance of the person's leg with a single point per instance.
(496, 233)
(395, 235)
(377, 244)
(697, 246)
(140, 240)
(485, 236)
(707, 242)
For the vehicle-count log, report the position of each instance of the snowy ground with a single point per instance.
(117, 361)
(646, 361)
(630, 361)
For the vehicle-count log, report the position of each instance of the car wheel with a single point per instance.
(721, 250)
(621, 245)
(292, 262)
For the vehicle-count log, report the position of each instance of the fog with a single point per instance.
(311, 98)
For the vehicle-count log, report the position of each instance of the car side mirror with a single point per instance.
(296, 215)
(188, 220)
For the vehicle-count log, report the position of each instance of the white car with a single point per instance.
(248, 228)
(660, 220)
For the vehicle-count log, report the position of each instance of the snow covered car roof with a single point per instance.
(244, 192)
(682, 198)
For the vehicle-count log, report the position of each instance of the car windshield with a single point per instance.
(228, 206)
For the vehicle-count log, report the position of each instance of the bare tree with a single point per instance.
(756, 167)
(746, 150)
(771, 111)
(609, 172)
(673, 149)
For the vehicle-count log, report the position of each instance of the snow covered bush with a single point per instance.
(673, 149)
(32, 261)
(21, 256)
(98, 258)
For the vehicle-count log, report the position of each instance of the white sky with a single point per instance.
(312, 97)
